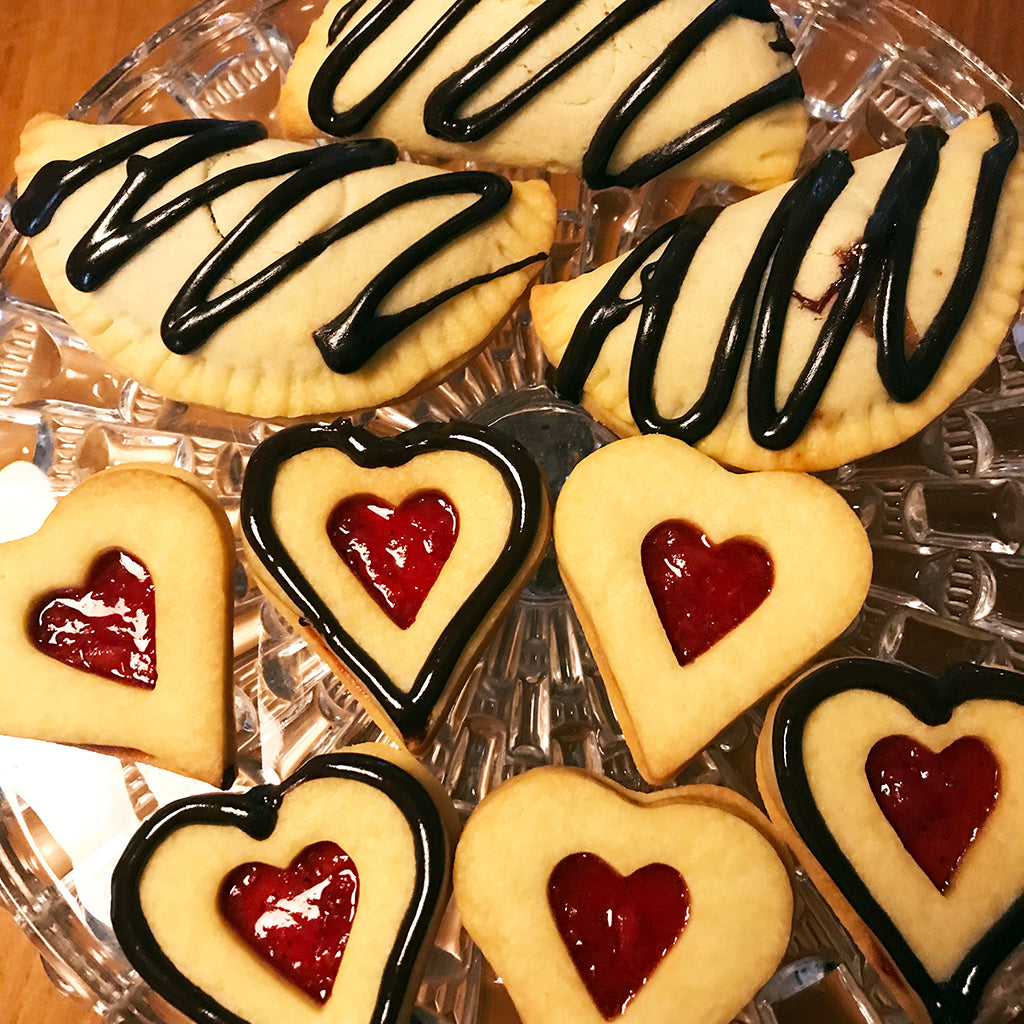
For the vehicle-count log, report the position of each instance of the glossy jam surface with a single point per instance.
(617, 928)
(936, 802)
(396, 553)
(107, 626)
(297, 918)
(702, 590)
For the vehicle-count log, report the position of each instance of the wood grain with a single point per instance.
(52, 51)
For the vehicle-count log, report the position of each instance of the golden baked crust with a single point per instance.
(740, 898)
(855, 416)
(264, 360)
(822, 567)
(166, 520)
(555, 128)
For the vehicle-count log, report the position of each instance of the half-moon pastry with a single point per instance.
(266, 277)
(903, 798)
(395, 556)
(115, 623)
(614, 92)
(816, 323)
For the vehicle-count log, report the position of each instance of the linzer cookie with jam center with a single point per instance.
(816, 323)
(395, 556)
(597, 904)
(903, 798)
(315, 900)
(221, 267)
(115, 623)
(614, 92)
(701, 590)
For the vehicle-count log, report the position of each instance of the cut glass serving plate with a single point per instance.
(944, 511)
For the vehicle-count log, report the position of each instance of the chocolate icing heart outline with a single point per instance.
(255, 813)
(932, 701)
(526, 486)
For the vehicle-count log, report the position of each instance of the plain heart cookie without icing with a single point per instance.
(596, 904)
(221, 267)
(115, 623)
(395, 556)
(699, 589)
(902, 795)
(814, 324)
(312, 901)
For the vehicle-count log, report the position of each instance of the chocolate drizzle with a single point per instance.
(877, 269)
(347, 342)
(255, 812)
(441, 115)
(412, 711)
(953, 1000)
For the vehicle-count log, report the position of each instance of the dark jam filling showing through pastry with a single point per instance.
(347, 342)
(398, 553)
(874, 272)
(441, 115)
(701, 590)
(936, 802)
(296, 919)
(107, 626)
(617, 928)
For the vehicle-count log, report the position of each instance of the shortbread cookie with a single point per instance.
(312, 901)
(614, 92)
(395, 556)
(701, 590)
(115, 623)
(272, 278)
(814, 324)
(596, 904)
(903, 797)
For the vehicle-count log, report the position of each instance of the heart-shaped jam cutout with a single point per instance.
(702, 590)
(935, 802)
(616, 928)
(396, 553)
(297, 918)
(107, 626)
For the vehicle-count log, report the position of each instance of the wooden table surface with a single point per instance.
(51, 51)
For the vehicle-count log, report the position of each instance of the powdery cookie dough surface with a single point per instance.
(554, 129)
(265, 361)
(855, 416)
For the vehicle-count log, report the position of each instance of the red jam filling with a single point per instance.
(297, 919)
(616, 928)
(396, 553)
(935, 802)
(702, 590)
(106, 627)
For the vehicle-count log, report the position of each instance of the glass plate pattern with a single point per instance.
(944, 510)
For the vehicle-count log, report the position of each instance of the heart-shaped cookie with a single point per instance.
(699, 589)
(903, 798)
(115, 622)
(312, 901)
(596, 904)
(395, 556)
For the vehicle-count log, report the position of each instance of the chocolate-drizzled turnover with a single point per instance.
(410, 711)
(876, 269)
(347, 342)
(932, 701)
(255, 812)
(441, 117)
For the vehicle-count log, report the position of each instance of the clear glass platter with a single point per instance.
(944, 511)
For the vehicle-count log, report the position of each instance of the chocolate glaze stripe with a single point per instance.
(878, 264)
(410, 711)
(441, 117)
(348, 341)
(932, 701)
(255, 813)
